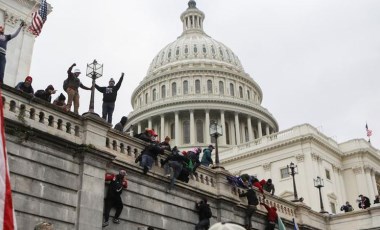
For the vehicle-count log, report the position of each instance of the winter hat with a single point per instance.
(77, 71)
(211, 147)
(122, 172)
(112, 80)
(29, 78)
(50, 87)
(62, 97)
(226, 226)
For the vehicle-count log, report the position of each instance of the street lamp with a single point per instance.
(293, 170)
(318, 183)
(94, 71)
(216, 131)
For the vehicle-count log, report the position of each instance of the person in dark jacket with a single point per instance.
(347, 207)
(109, 97)
(204, 218)
(113, 198)
(149, 156)
(364, 202)
(45, 94)
(165, 144)
(26, 86)
(252, 206)
(4, 39)
(206, 158)
(73, 84)
(377, 200)
(120, 126)
(272, 217)
(173, 166)
(269, 186)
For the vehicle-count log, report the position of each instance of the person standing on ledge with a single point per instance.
(71, 86)
(4, 39)
(109, 97)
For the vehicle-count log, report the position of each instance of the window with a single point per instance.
(241, 91)
(227, 133)
(284, 173)
(197, 86)
(172, 130)
(209, 86)
(248, 95)
(154, 94)
(146, 98)
(186, 132)
(328, 174)
(185, 87)
(199, 125)
(332, 205)
(174, 89)
(221, 88)
(163, 91)
(232, 92)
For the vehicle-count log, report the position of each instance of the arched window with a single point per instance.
(221, 88)
(232, 91)
(248, 95)
(172, 131)
(186, 132)
(241, 91)
(197, 86)
(185, 87)
(199, 125)
(163, 91)
(146, 98)
(209, 86)
(154, 94)
(227, 133)
(174, 89)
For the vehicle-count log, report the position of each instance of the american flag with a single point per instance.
(7, 217)
(369, 132)
(38, 19)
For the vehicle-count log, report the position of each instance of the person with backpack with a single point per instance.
(206, 158)
(113, 198)
(45, 94)
(204, 213)
(252, 206)
(173, 166)
(71, 86)
(4, 39)
(194, 162)
(26, 85)
(109, 97)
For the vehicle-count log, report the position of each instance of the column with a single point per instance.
(176, 128)
(373, 176)
(163, 135)
(250, 133)
(367, 172)
(192, 128)
(237, 128)
(149, 123)
(259, 129)
(267, 129)
(207, 127)
(223, 123)
(139, 127)
(243, 132)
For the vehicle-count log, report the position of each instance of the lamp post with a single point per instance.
(293, 170)
(94, 71)
(318, 183)
(216, 131)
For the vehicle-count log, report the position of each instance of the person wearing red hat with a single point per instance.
(71, 86)
(4, 39)
(26, 86)
(113, 198)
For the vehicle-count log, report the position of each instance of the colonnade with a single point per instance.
(237, 127)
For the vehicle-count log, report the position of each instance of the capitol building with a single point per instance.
(196, 81)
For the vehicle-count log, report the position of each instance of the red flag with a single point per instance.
(7, 217)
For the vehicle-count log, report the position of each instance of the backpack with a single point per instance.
(65, 84)
(208, 213)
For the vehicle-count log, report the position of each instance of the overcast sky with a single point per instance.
(316, 61)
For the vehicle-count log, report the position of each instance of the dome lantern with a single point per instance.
(192, 19)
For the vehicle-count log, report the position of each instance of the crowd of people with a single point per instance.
(363, 203)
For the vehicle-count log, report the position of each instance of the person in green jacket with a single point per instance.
(206, 158)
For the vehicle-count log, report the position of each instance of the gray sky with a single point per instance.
(316, 61)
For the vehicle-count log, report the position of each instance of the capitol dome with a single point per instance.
(196, 81)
